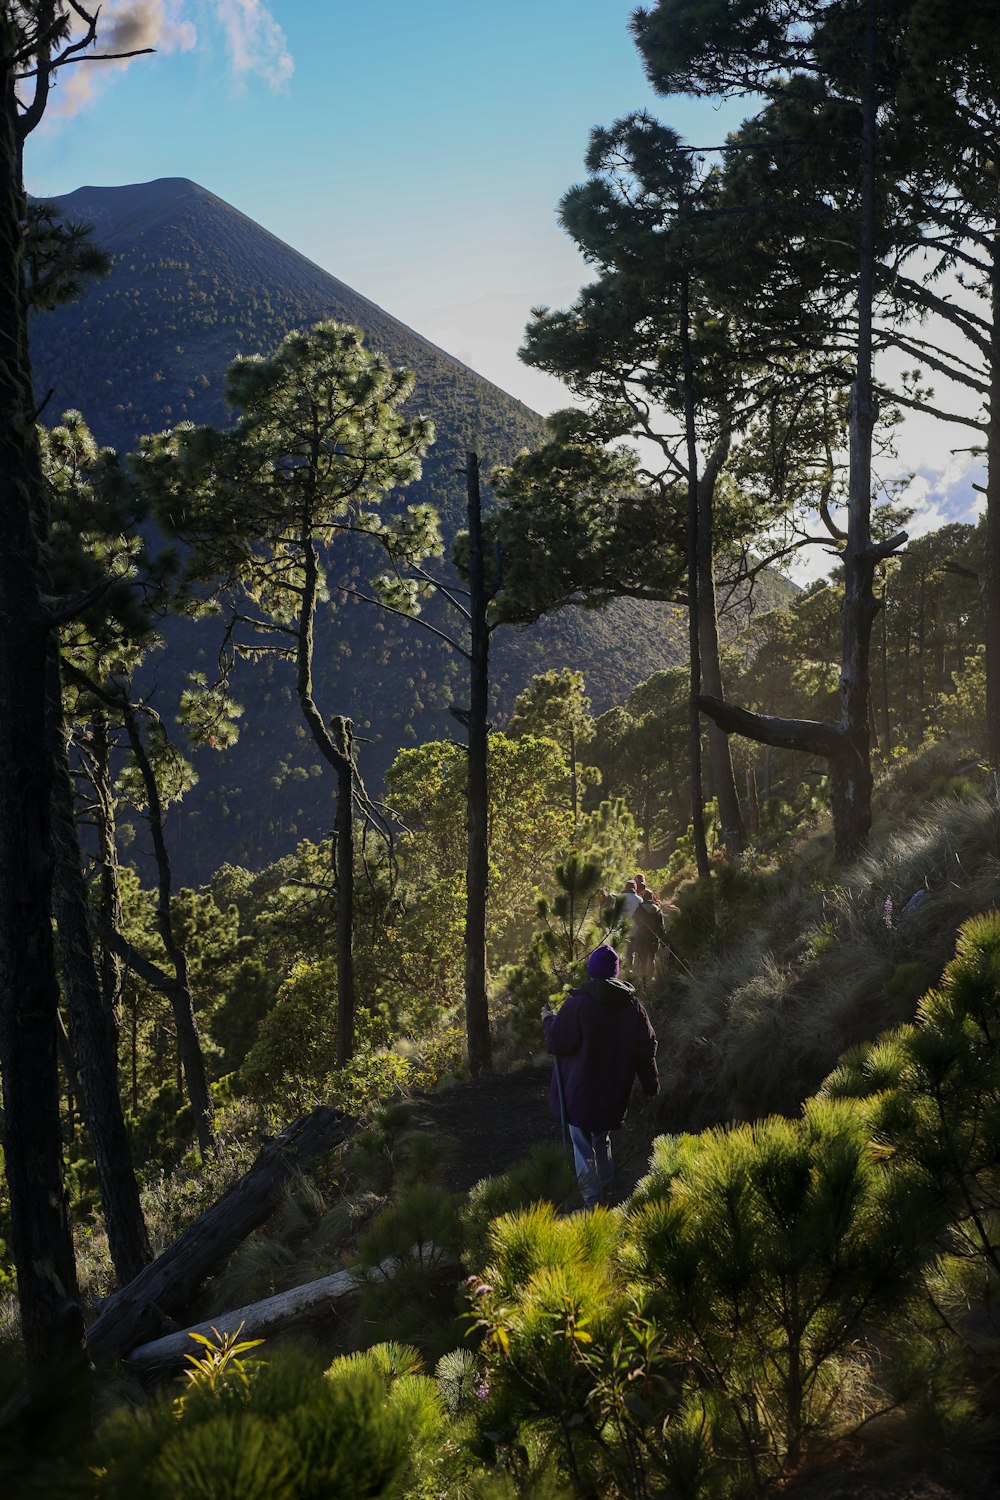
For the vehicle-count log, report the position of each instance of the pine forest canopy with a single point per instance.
(194, 283)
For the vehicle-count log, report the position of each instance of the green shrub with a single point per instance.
(934, 1091)
(712, 1333)
(284, 1429)
(546, 1176)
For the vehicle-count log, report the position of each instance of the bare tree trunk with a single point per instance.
(720, 755)
(886, 725)
(343, 734)
(41, 1241)
(331, 747)
(99, 771)
(477, 1016)
(189, 1050)
(575, 793)
(694, 629)
(752, 801)
(850, 772)
(991, 561)
(93, 1034)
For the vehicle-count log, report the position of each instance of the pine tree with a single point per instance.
(318, 444)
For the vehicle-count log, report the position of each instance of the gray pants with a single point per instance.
(594, 1167)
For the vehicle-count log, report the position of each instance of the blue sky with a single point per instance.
(416, 151)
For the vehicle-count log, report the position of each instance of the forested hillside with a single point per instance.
(574, 1073)
(195, 283)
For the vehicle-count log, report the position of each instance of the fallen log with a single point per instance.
(138, 1312)
(259, 1319)
(255, 1321)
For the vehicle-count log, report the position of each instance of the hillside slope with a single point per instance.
(195, 283)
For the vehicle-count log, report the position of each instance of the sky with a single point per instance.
(418, 152)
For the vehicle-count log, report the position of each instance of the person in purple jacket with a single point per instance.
(601, 1038)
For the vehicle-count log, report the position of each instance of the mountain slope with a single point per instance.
(194, 283)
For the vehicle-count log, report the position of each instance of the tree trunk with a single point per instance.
(720, 755)
(846, 745)
(331, 743)
(753, 802)
(165, 1287)
(258, 1320)
(110, 905)
(850, 772)
(343, 734)
(189, 1050)
(886, 723)
(92, 1032)
(41, 1242)
(694, 628)
(991, 561)
(477, 1016)
(574, 789)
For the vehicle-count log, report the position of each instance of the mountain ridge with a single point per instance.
(91, 196)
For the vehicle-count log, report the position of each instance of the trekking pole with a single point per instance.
(562, 1105)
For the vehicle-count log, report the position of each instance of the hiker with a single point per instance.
(602, 1039)
(630, 903)
(648, 935)
(630, 899)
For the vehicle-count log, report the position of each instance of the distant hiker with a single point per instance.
(602, 1039)
(649, 934)
(630, 900)
(640, 886)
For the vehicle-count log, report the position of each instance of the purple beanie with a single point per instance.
(603, 963)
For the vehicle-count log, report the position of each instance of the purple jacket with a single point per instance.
(603, 1039)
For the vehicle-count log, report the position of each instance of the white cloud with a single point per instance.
(254, 40)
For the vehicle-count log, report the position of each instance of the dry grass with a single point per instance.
(825, 964)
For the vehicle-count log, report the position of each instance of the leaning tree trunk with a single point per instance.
(477, 1017)
(92, 1029)
(41, 1242)
(166, 1286)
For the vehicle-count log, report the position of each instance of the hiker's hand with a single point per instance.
(547, 1011)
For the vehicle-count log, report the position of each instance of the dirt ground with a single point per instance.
(499, 1120)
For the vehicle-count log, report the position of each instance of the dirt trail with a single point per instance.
(499, 1120)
